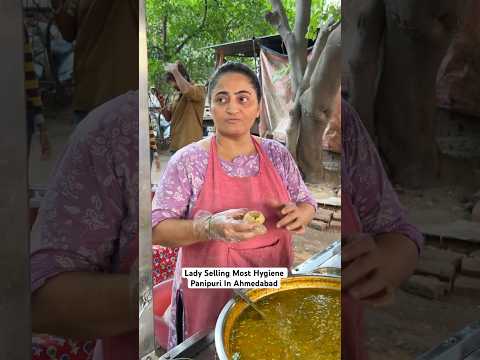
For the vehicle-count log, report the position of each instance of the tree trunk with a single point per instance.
(318, 106)
(417, 35)
(314, 85)
(363, 28)
(393, 49)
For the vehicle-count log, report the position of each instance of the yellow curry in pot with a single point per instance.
(299, 324)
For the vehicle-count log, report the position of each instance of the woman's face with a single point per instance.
(234, 105)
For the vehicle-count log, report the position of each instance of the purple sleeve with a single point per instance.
(289, 172)
(90, 210)
(179, 185)
(372, 194)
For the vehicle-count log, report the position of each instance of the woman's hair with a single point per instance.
(234, 67)
(182, 69)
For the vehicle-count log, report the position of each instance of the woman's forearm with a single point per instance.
(84, 305)
(402, 255)
(175, 233)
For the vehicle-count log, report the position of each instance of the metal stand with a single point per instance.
(464, 345)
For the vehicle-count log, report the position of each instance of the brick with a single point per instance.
(448, 256)
(471, 266)
(476, 212)
(323, 215)
(337, 215)
(475, 254)
(441, 269)
(468, 286)
(318, 225)
(335, 225)
(426, 286)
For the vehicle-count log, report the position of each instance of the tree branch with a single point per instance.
(316, 52)
(278, 18)
(326, 76)
(296, 48)
(302, 19)
(165, 21)
(196, 32)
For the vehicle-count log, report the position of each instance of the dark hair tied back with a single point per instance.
(234, 67)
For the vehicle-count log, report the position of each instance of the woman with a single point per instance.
(206, 183)
(380, 248)
(84, 243)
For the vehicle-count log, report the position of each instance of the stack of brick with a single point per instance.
(468, 280)
(440, 272)
(476, 212)
(327, 219)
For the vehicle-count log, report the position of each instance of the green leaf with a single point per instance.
(226, 21)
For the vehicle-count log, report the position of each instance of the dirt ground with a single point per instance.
(413, 325)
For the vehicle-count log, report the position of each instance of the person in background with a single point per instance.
(34, 105)
(186, 111)
(102, 63)
(153, 144)
(380, 247)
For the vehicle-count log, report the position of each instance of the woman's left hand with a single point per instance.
(363, 272)
(372, 267)
(295, 217)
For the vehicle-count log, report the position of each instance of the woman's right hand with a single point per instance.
(227, 225)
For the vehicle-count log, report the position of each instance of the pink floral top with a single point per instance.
(182, 181)
(88, 220)
(365, 180)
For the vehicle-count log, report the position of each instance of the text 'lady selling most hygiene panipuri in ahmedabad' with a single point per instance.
(207, 186)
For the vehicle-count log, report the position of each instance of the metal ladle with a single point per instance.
(249, 302)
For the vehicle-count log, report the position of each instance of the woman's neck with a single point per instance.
(231, 147)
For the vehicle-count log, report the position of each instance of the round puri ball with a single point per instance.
(254, 217)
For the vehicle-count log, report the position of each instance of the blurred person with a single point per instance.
(153, 143)
(84, 244)
(380, 248)
(185, 113)
(105, 33)
(34, 105)
(156, 109)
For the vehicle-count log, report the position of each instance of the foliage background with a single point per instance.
(182, 29)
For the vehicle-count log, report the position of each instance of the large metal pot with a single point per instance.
(232, 310)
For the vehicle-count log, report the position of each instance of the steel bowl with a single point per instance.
(232, 310)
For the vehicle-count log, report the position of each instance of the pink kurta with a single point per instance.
(88, 221)
(369, 205)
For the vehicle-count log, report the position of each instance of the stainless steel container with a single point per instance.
(232, 310)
